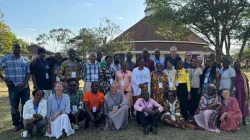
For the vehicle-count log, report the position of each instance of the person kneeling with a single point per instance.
(147, 112)
(93, 102)
(34, 111)
(116, 108)
(172, 116)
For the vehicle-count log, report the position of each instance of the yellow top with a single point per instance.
(182, 76)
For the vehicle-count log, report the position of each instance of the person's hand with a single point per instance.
(7, 81)
(106, 126)
(37, 116)
(199, 91)
(140, 85)
(49, 130)
(115, 109)
(55, 115)
(145, 110)
(21, 86)
(189, 96)
(99, 115)
(36, 87)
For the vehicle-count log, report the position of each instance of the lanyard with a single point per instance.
(36, 107)
(94, 98)
(192, 74)
(59, 104)
(228, 102)
(207, 100)
(222, 71)
(123, 75)
(207, 74)
(44, 65)
(145, 105)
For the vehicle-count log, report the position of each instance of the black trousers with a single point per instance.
(75, 118)
(147, 120)
(97, 121)
(182, 94)
(194, 102)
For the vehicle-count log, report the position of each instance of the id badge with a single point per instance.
(47, 76)
(74, 108)
(206, 80)
(73, 75)
(160, 85)
(172, 67)
(94, 109)
(146, 114)
(122, 83)
(177, 83)
(171, 85)
(111, 81)
(57, 79)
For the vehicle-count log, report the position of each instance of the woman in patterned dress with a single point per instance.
(172, 115)
(159, 84)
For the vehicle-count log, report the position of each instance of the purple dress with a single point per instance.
(241, 95)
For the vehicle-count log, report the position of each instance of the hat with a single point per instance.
(41, 50)
(103, 64)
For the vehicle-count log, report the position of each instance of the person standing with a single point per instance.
(213, 57)
(157, 59)
(200, 62)
(70, 68)
(173, 58)
(171, 74)
(90, 72)
(131, 64)
(17, 75)
(147, 61)
(56, 68)
(116, 65)
(41, 71)
(99, 57)
(187, 61)
(242, 91)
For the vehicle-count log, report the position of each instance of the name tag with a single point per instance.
(74, 108)
(160, 85)
(176, 83)
(172, 67)
(171, 85)
(47, 76)
(206, 80)
(57, 79)
(122, 83)
(111, 81)
(94, 109)
(73, 75)
(146, 114)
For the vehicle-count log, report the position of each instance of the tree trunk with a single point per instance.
(219, 54)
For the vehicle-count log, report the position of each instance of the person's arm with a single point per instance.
(80, 72)
(148, 81)
(135, 83)
(44, 109)
(67, 107)
(124, 100)
(137, 105)
(61, 71)
(155, 104)
(85, 104)
(21, 86)
(233, 79)
(26, 114)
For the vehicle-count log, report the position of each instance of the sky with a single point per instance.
(29, 18)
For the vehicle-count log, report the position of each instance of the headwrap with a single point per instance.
(103, 64)
(211, 90)
(41, 50)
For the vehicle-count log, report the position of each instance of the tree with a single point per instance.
(59, 37)
(215, 20)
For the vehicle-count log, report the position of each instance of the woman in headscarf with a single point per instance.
(208, 111)
(242, 91)
(230, 112)
(57, 116)
(172, 115)
(34, 112)
(116, 108)
(159, 84)
(171, 73)
(107, 75)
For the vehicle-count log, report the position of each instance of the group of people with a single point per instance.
(171, 90)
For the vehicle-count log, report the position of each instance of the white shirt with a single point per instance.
(226, 75)
(29, 110)
(139, 77)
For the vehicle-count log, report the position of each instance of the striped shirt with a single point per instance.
(15, 68)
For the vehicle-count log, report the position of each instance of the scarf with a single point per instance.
(245, 84)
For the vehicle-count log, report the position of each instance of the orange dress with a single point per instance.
(233, 117)
(125, 82)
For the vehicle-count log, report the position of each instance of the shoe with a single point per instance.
(75, 127)
(245, 123)
(16, 129)
(146, 131)
(154, 130)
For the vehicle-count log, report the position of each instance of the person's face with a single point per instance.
(117, 59)
(72, 54)
(212, 55)
(145, 54)
(113, 89)
(200, 62)
(209, 62)
(141, 63)
(145, 96)
(92, 57)
(58, 57)
(188, 56)
(16, 50)
(59, 88)
(95, 87)
(38, 96)
(159, 67)
(157, 54)
(225, 63)
(225, 94)
(42, 55)
(72, 86)
(124, 66)
(194, 62)
(173, 51)
(180, 64)
(99, 56)
(237, 65)
(129, 56)
(109, 61)
(170, 96)
(169, 65)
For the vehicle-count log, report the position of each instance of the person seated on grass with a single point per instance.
(230, 112)
(172, 115)
(77, 114)
(208, 111)
(147, 112)
(57, 116)
(116, 108)
(93, 102)
(34, 112)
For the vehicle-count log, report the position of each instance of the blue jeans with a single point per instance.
(15, 96)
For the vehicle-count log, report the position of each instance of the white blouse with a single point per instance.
(139, 77)
(29, 110)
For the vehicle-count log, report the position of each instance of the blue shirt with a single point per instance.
(186, 65)
(15, 68)
(159, 61)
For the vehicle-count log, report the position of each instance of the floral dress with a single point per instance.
(107, 77)
(158, 86)
(171, 109)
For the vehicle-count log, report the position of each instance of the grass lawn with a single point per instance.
(133, 132)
